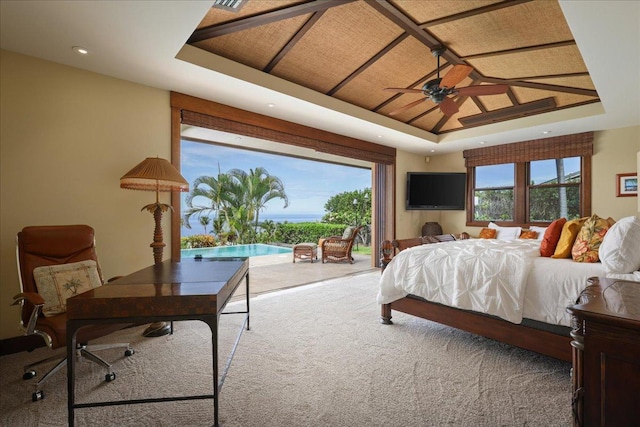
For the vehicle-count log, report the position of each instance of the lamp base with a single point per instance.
(157, 329)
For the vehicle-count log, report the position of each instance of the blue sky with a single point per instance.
(541, 171)
(308, 184)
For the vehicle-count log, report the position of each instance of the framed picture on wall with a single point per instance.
(626, 184)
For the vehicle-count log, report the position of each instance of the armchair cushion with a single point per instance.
(56, 283)
(347, 232)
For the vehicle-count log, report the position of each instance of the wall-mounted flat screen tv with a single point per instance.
(436, 190)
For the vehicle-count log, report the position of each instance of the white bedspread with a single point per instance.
(484, 275)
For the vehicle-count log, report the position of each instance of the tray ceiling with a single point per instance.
(351, 50)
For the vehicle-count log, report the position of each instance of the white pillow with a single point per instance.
(620, 248)
(56, 283)
(540, 230)
(506, 233)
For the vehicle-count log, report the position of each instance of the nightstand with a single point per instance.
(606, 354)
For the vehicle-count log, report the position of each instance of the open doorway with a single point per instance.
(308, 181)
(200, 113)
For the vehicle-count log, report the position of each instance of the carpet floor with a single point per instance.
(316, 355)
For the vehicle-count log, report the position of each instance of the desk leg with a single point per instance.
(71, 378)
(247, 292)
(214, 355)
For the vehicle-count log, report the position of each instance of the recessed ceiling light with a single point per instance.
(80, 50)
(433, 151)
(379, 136)
(229, 5)
(271, 105)
(546, 132)
(481, 142)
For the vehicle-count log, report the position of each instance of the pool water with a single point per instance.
(257, 249)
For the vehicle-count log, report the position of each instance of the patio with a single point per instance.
(270, 273)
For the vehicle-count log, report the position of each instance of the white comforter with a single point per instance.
(483, 275)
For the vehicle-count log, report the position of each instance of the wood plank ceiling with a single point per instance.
(352, 49)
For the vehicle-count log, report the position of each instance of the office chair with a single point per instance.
(56, 250)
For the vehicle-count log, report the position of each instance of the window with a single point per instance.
(493, 193)
(554, 189)
(532, 182)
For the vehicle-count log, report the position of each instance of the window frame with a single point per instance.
(521, 154)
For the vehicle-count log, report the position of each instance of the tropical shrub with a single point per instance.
(294, 233)
(197, 241)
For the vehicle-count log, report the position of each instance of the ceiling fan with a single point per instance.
(439, 89)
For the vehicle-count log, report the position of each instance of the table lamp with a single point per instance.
(155, 174)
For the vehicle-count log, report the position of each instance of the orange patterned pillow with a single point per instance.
(551, 237)
(488, 233)
(568, 236)
(529, 234)
(585, 248)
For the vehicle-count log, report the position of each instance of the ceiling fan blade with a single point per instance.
(406, 107)
(402, 90)
(482, 90)
(448, 107)
(458, 73)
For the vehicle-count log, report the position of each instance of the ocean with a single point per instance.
(196, 228)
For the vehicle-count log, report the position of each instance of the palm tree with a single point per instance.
(208, 188)
(260, 187)
(237, 197)
(205, 220)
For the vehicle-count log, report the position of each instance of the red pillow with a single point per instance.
(551, 237)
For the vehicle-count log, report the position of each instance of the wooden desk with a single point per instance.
(187, 290)
(606, 354)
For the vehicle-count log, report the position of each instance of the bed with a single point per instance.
(503, 290)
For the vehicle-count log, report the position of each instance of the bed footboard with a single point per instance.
(556, 345)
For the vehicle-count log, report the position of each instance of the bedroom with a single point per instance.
(60, 118)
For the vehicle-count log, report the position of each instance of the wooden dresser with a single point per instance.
(606, 354)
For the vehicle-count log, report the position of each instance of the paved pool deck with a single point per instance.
(269, 273)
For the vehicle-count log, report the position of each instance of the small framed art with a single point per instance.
(626, 184)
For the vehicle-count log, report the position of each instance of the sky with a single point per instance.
(541, 171)
(308, 184)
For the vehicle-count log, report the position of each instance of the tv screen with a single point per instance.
(436, 190)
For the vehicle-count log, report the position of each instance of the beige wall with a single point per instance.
(615, 151)
(67, 136)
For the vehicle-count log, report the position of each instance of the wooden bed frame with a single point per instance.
(548, 343)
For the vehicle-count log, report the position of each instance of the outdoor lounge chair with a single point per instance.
(338, 248)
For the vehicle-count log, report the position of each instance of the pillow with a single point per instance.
(529, 234)
(488, 233)
(347, 232)
(540, 230)
(620, 248)
(506, 233)
(589, 239)
(56, 283)
(551, 237)
(570, 231)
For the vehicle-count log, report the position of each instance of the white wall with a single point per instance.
(67, 136)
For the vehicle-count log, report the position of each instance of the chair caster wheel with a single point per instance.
(110, 377)
(38, 395)
(28, 375)
(129, 352)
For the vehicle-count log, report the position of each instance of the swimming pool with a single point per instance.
(256, 249)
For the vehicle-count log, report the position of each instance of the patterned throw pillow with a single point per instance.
(488, 233)
(57, 283)
(551, 237)
(589, 239)
(529, 234)
(570, 231)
